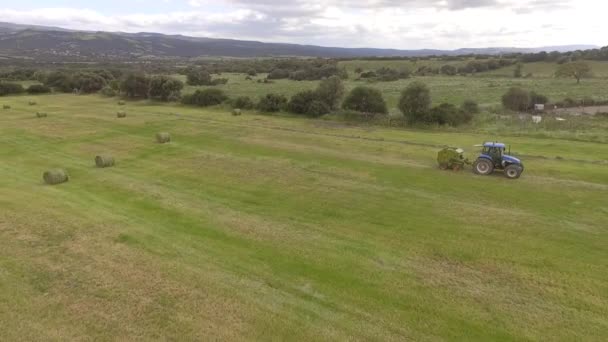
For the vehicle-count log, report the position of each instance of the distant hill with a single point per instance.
(56, 43)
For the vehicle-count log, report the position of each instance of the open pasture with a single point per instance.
(284, 228)
(484, 88)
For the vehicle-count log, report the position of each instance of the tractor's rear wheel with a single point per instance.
(483, 167)
(443, 166)
(513, 171)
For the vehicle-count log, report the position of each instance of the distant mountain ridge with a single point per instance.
(32, 41)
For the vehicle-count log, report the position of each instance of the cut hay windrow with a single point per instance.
(55, 176)
(121, 114)
(163, 137)
(236, 112)
(104, 161)
(32, 103)
(41, 115)
(6, 107)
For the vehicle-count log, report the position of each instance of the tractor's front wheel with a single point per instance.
(483, 167)
(513, 171)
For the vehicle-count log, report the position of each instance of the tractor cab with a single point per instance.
(494, 152)
(494, 156)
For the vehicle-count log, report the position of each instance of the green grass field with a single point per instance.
(485, 88)
(280, 228)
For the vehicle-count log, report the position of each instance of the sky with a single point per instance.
(404, 24)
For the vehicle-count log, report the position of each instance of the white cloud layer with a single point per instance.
(406, 24)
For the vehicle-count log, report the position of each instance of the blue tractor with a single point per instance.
(494, 156)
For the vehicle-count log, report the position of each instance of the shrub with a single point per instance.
(415, 102)
(60, 80)
(163, 88)
(135, 85)
(331, 91)
(317, 108)
(108, 91)
(277, 74)
(252, 72)
(516, 99)
(271, 103)
(10, 88)
(368, 74)
(518, 71)
(449, 70)
(447, 113)
(537, 99)
(219, 81)
(365, 99)
(198, 77)
(300, 102)
(243, 102)
(470, 106)
(38, 89)
(88, 82)
(205, 97)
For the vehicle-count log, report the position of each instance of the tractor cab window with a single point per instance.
(494, 152)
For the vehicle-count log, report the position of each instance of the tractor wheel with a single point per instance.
(443, 166)
(483, 167)
(513, 171)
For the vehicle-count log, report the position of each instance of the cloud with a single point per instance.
(406, 24)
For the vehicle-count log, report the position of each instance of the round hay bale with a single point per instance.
(121, 114)
(236, 111)
(104, 161)
(32, 103)
(55, 176)
(40, 115)
(163, 137)
(6, 107)
(121, 103)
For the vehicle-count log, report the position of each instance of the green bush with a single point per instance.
(331, 91)
(536, 98)
(88, 82)
(272, 103)
(365, 99)
(449, 70)
(278, 74)
(308, 103)
(10, 88)
(415, 102)
(38, 89)
(135, 85)
(516, 99)
(205, 97)
(197, 77)
(108, 91)
(317, 108)
(448, 114)
(243, 102)
(164, 88)
(470, 106)
(300, 102)
(219, 81)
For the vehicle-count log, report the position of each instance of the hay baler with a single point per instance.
(493, 157)
(452, 158)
